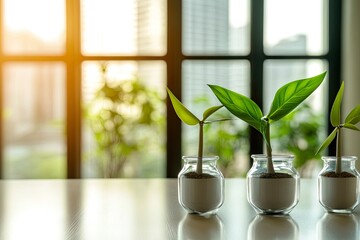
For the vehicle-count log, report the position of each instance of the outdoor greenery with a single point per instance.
(126, 120)
(229, 141)
(48, 165)
(299, 134)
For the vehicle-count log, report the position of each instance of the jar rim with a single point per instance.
(204, 158)
(343, 158)
(275, 157)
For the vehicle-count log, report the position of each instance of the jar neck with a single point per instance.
(275, 158)
(281, 164)
(207, 160)
(345, 160)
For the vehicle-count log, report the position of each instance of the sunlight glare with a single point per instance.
(109, 26)
(43, 18)
(238, 13)
(297, 18)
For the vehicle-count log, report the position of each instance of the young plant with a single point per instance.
(286, 99)
(190, 119)
(335, 119)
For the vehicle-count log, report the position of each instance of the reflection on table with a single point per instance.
(200, 228)
(338, 226)
(273, 227)
(149, 209)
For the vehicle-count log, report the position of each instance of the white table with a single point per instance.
(148, 209)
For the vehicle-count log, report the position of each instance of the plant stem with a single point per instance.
(270, 166)
(338, 151)
(200, 149)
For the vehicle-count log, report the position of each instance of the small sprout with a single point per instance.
(351, 120)
(190, 119)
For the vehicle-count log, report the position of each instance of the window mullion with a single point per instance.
(256, 66)
(73, 93)
(334, 59)
(173, 60)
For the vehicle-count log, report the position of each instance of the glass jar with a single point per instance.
(339, 193)
(276, 193)
(201, 193)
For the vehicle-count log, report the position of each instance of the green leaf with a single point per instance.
(351, 126)
(354, 116)
(292, 94)
(327, 141)
(335, 114)
(239, 105)
(183, 113)
(208, 112)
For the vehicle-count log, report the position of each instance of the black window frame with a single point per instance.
(173, 58)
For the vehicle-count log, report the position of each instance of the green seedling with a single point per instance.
(286, 99)
(190, 119)
(335, 119)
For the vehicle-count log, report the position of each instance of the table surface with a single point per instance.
(149, 209)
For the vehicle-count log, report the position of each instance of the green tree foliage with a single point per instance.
(126, 119)
(299, 134)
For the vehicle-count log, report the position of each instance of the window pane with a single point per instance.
(279, 72)
(124, 121)
(34, 27)
(295, 27)
(226, 139)
(132, 27)
(34, 120)
(216, 27)
(302, 132)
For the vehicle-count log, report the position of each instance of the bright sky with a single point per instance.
(288, 18)
(115, 23)
(283, 19)
(44, 18)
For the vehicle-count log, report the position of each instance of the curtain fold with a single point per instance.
(351, 71)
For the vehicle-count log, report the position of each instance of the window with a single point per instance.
(253, 48)
(65, 65)
(33, 89)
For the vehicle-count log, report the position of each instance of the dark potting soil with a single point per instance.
(273, 175)
(338, 175)
(195, 175)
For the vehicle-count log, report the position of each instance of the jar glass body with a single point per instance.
(339, 193)
(201, 193)
(273, 193)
